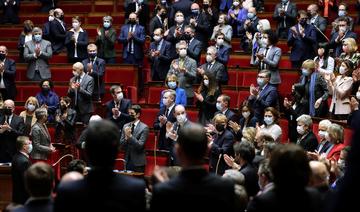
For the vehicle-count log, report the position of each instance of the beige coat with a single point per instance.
(340, 90)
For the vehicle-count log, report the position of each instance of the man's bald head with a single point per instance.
(71, 176)
(9, 104)
(319, 174)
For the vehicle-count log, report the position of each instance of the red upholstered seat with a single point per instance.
(347, 136)
(287, 80)
(192, 115)
(148, 115)
(150, 142)
(119, 164)
(235, 78)
(249, 78)
(154, 95)
(233, 94)
(315, 129)
(24, 91)
(152, 159)
(126, 75)
(283, 123)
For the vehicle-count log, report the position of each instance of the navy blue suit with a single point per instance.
(268, 97)
(20, 163)
(164, 143)
(182, 5)
(138, 40)
(57, 36)
(38, 205)
(81, 46)
(98, 75)
(303, 48)
(337, 46)
(222, 144)
(223, 54)
(9, 80)
(251, 178)
(10, 11)
(125, 104)
(160, 65)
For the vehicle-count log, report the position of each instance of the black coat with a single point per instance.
(222, 144)
(81, 46)
(9, 78)
(125, 104)
(19, 164)
(251, 178)
(164, 143)
(8, 138)
(309, 142)
(57, 36)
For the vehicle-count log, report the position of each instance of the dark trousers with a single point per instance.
(296, 64)
(130, 59)
(111, 60)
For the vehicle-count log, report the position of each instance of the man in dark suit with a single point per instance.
(249, 27)
(342, 33)
(132, 36)
(158, 21)
(81, 91)
(303, 41)
(7, 75)
(176, 33)
(95, 67)
(199, 22)
(194, 45)
(47, 5)
(184, 6)
(102, 189)
(318, 21)
(10, 10)
(211, 192)
(285, 14)
(19, 164)
(223, 104)
(58, 31)
(166, 114)
(133, 138)
(223, 51)
(117, 109)
(11, 126)
(213, 67)
(160, 55)
(141, 9)
(266, 95)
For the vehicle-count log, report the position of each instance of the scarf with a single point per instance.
(311, 92)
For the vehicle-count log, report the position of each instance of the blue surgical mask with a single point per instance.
(250, 15)
(37, 38)
(218, 106)
(172, 85)
(305, 72)
(268, 120)
(30, 148)
(106, 25)
(260, 82)
(341, 13)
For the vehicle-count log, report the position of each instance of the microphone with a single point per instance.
(317, 29)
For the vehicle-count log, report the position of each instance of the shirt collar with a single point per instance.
(171, 107)
(136, 122)
(72, 30)
(24, 153)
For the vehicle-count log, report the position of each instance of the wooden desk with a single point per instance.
(5, 186)
(130, 173)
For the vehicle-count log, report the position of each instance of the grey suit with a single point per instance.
(321, 24)
(218, 70)
(271, 62)
(41, 142)
(82, 97)
(186, 80)
(40, 63)
(135, 146)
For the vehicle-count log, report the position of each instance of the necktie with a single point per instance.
(209, 66)
(167, 112)
(132, 128)
(8, 119)
(131, 44)
(263, 65)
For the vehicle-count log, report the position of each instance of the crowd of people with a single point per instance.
(234, 158)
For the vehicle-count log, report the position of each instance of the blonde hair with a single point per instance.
(309, 64)
(351, 42)
(249, 133)
(32, 100)
(220, 117)
(337, 132)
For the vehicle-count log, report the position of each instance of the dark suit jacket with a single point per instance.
(303, 48)
(202, 29)
(125, 104)
(143, 15)
(218, 70)
(222, 144)
(182, 5)
(324, 148)
(309, 142)
(81, 45)
(291, 115)
(211, 192)
(135, 146)
(139, 39)
(65, 130)
(101, 190)
(20, 163)
(230, 115)
(337, 46)
(207, 108)
(57, 35)
(308, 199)
(223, 54)
(194, 50)
(83, 94)
(106, 43)
(9, 78)
(37, 205)
(164, 143)
(21, 45)
(8, 138)
(160, 65)
(154, 24)
(267, 98)
(171, 38)
(251, 178)
(98, 76)
(290, 15)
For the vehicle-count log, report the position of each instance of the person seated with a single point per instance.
(48, 99)
(324, 145)
(172, 83)
(306, 138)
(25, 36)
(76, 42)
(78, 166)
(31, 104)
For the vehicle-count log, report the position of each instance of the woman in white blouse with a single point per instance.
(325, 63)
(270, 126)
(25, 36)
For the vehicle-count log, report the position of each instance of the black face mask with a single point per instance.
(92, 55)
(2, 56)
(63, 107)
(303, 22)
(7, 111)
(163, 15)
(205, 6)
(61, 17)
(45, 90)
(132, 22)
(220, 127)
(131, 118)
(187, 37)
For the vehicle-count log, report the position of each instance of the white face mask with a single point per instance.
(165, 102)
(220, 42)
(51, 18)
(236, 3)
(246, 114)
(30, 107)
(157, 38)
(268, 120)
(209, 59)
(259, 27)
(206, 83)
(179, 19)
(322, 133)
(181, 118)
(75, 25)
(30, 148)
(342, 28)
(182, 53)
(120, 96)
(300, 130)
(219, 107)
(342, 70)
(358, 95)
